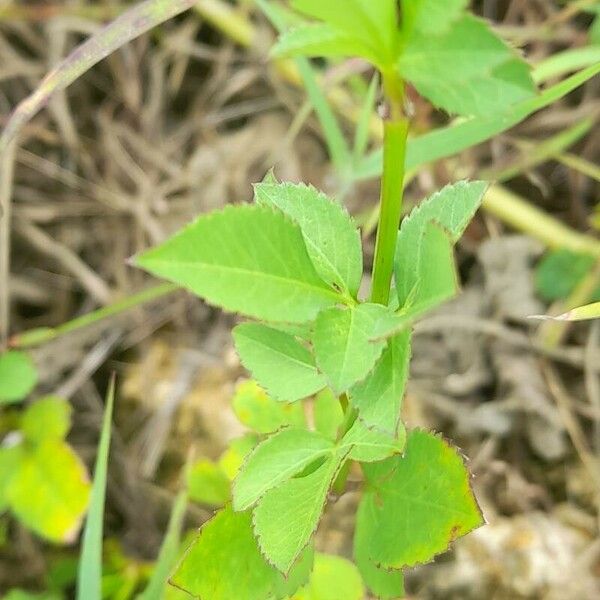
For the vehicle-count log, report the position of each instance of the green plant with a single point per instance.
(293, 263)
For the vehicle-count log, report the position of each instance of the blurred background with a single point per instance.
(182, 121)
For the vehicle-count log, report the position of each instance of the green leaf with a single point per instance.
(383, 583)
(333, 578)
(452, 208)
(433, 271)
(278, 361)
(208, 484)
(580, 313)
(320, 39)
(467, 70)
(224, 563)
(431, 16)
(50, 490)
(276, 460)
(287, 516)
(372, 445)
(342, 343)
(10, 463)
(233, 458)
(378, 398)
(47, 418)
(328, 414)
(560, 272)
(18, 376)
(261, 413)
(420, 502)
(247, 259)
(374, 24)
(89, 574)
(332, 239)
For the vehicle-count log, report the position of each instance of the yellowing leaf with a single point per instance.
(47, 418)
(208, 484)
(50, 491)
(255, 409)
(419, 503)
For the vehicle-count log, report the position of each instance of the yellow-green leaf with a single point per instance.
(18, 376)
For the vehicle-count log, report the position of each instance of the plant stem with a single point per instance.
(392, 187)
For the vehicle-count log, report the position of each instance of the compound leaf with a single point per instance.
(333, 578)
(452, 208)
(420, 502)
(224, 562)
(18, 376)
(332, 239)
(233, 458)
(255, 409)
(276, 460)
(378, 398)
(47, 418)
(372, 445)
(278, 361)
(50, 491)
(247, 259)
(286, 516)
(467, 70)
(342, 342)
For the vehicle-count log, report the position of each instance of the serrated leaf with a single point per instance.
(559, 273)
(333, 578)
(372, 445)
(247, 259)
(255, 409)
(328, 414)
(50, 491)
(233, 458)
(332, 239)
(421, 502)
(224, 562)
(452, 208)
(378, 398)
(430, 16)
(207, 483)
(320, 39)
(287, 516)
(18, 376)
(278, 361)
(468, 70)
(375, 24)
(342, 342)
(276, 460)
(47, 418)
(386, 584)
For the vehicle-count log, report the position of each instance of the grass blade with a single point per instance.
(168, 551)
(89, 575)
(450, 140)
(125, 28)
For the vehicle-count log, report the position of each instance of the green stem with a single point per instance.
(392, 186)
(36, 337)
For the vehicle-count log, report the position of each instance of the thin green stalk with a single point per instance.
(35, 337)
(392, 187)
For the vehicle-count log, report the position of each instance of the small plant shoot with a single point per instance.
(292, 264)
